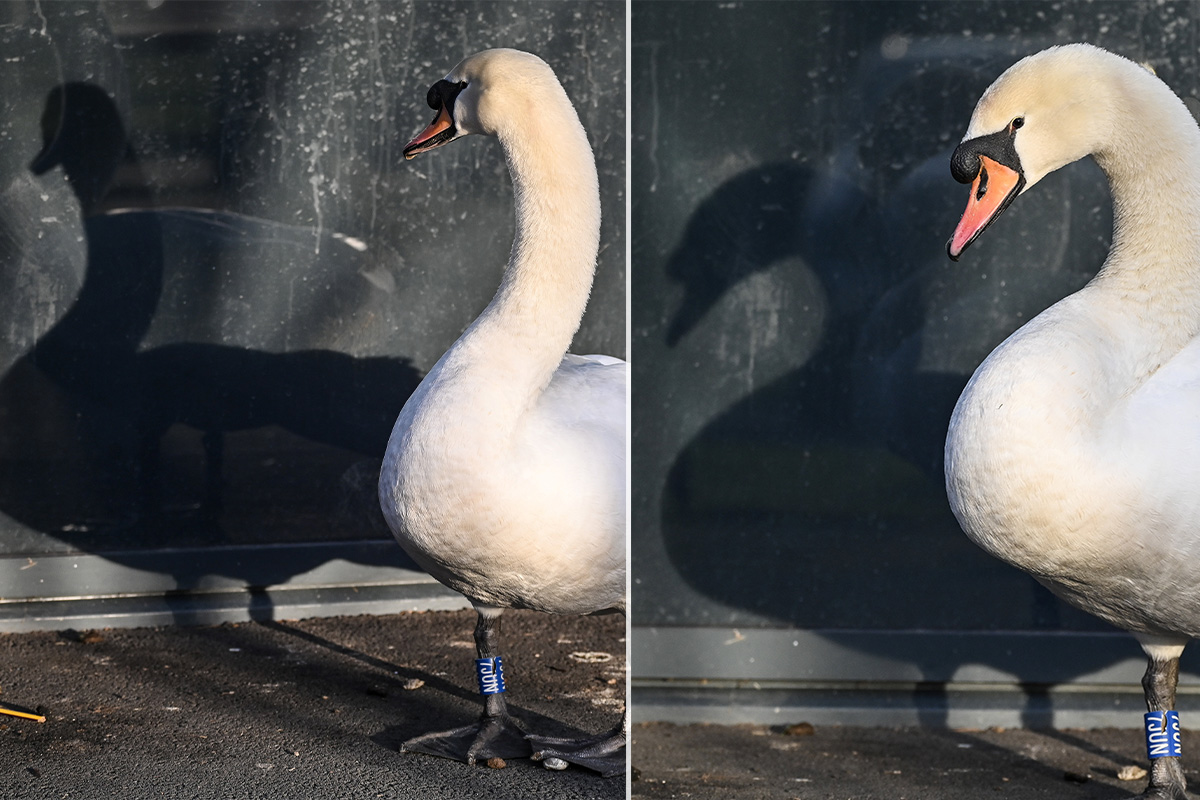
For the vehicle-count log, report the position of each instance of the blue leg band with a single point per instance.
(490, 672)
(1162, 734)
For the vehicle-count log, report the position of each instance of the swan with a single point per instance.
(1074, 451)
(504, 476)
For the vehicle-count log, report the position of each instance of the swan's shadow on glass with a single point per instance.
(833, 468)
(89, 407)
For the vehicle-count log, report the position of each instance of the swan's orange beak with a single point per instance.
(440, 131)
(992, 190)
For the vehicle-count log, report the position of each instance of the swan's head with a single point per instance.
(1044, 112)
(83, 133)
(483, 94)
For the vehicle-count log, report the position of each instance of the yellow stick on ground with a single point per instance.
(12, 712)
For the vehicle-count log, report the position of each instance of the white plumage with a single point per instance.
(505, 473)
(1074, 451)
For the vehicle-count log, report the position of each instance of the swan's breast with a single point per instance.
(1027, 473)
(1074, 457)
(527, 517)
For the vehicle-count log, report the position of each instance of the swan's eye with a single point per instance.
(443, 93)
(1017, 123)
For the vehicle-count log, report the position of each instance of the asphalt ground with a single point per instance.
(309, 709)
(844, 763)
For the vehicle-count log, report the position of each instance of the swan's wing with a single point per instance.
(590, 391)
(1158, 428)
(571, 359)
(583, 412)
(581, 428)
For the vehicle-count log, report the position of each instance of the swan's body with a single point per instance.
(505, 473)
(519, 512)
(1074, 451)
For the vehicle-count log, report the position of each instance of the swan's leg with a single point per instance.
(1166, 773)
(496, 734)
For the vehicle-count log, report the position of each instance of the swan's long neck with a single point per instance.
(518, 341)
(1153, 165)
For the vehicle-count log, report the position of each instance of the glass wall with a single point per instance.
(221, 278)
(799, 334)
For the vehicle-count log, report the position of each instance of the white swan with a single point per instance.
(1074, 451)
(505, 473)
